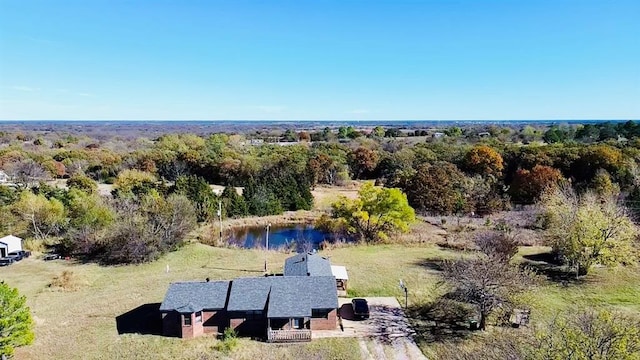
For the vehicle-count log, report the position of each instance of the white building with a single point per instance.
(9, 244)
(3, 177)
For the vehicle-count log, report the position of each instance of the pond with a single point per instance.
(302, 237)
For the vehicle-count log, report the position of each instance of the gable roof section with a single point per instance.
(249, 294)
(297, 296)
(188, 297)
(289, 297)
(307, 264)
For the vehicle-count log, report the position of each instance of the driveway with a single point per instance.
(385, 335)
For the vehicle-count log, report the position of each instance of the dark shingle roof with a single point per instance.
(307, 264)
(283, 296)
(195, 296)
(296, 296)
(249, 294)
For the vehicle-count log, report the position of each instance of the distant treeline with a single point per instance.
(458, 170)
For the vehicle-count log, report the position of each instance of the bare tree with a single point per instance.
(499, 245)
(485, 283)
(26, 172)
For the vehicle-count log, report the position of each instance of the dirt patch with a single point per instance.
(324, 196)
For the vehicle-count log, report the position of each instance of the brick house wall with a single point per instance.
(189, 331)
(328, 323)
(214, 322)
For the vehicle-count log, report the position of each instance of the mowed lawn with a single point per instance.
(81, 323)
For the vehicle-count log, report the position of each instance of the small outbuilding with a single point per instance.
(4, 178)
(340, 273)
(9, 244)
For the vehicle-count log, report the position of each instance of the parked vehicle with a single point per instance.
(51, 256)
(23, 253)
(15, 255)
(360, 308)
(6, 261)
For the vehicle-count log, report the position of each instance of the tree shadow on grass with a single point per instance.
(433, 264)
(389, 323)
(548, 265)
(441, 321)
(145, 320)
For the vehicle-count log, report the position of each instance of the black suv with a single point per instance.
(360, 308)
(15, 255)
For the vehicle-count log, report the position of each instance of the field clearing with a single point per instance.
(81, 324)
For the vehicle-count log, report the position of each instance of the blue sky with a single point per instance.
(235, 59)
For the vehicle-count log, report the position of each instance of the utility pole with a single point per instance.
(266, 253)
(220, 217)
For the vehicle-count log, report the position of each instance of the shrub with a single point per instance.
(229, 341)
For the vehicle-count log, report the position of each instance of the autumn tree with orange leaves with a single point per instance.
(484, 160)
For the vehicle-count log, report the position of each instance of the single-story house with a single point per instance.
(9, 244)
(312, 264)
(4, 178)
(278, 308)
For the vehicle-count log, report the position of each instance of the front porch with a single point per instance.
(289, 330)
(296, 335)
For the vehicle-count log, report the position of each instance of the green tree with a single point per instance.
(234, 205)
(197, 190)
(16, 324)
(134, 182)
(588, 336)
(375, 214)
(260, 200)
(42, 217)
(588, 229)
(88, 217)
(83, 183)
(453, 131)
(378, 131)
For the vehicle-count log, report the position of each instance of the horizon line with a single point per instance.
(322, 120)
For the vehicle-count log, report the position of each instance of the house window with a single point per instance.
(199, 317)
(319, 314)
(253, 314)
(187, 320)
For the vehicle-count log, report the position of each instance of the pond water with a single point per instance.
(302, 237)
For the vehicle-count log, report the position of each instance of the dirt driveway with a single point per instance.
(385, 335)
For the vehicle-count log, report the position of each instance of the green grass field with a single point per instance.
(81, 323)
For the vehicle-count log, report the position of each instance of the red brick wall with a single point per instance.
(213, 325)
(234, 323)
(187, 331)
(330, 323)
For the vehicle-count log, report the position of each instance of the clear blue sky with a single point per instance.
(235, 59)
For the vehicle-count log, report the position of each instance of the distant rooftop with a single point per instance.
(307, 264)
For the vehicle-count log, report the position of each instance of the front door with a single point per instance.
(298, 323)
